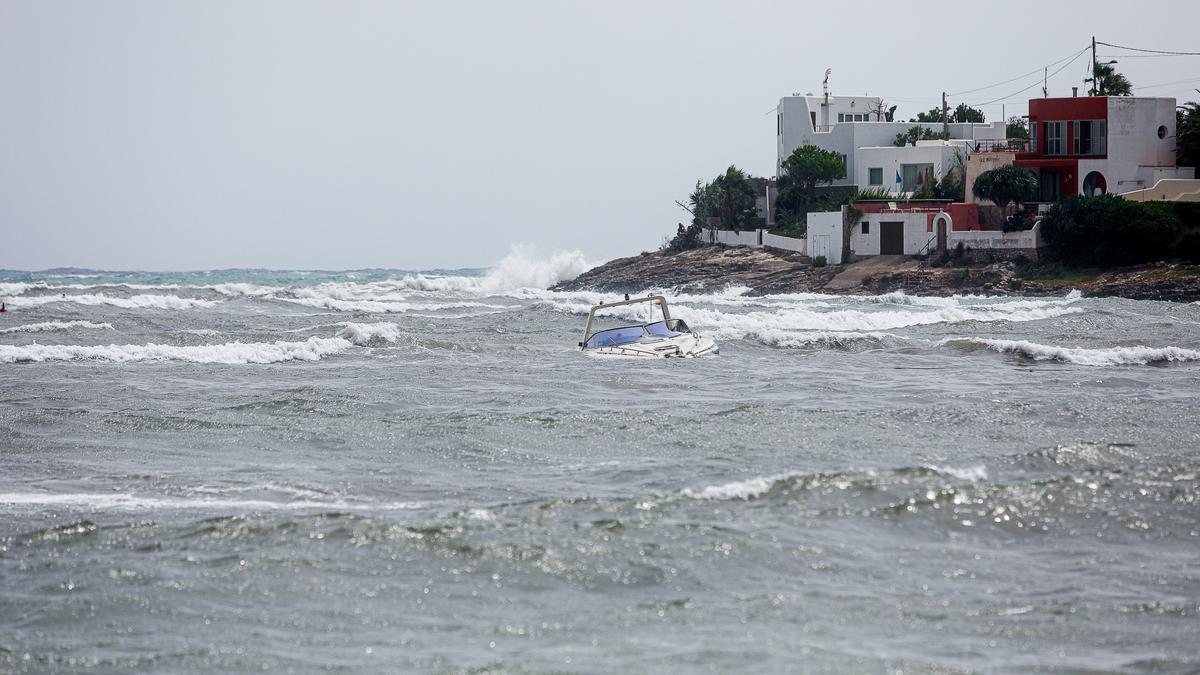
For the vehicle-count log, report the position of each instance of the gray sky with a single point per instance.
(195, 135)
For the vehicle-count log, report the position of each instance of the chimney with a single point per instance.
(1074, 92)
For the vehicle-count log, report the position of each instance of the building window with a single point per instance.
(1090, 137)
(845, 166)
(813, 116)
(778, 124)
(841, 117)
(866, 228)
(1054, 138)
(876, 175)
(1033, 127)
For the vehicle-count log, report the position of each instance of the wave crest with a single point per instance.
(55, 326)
(231, 353)
(1139, 355)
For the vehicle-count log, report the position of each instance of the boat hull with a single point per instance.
(678, 347)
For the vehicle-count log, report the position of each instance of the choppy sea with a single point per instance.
(390, 471)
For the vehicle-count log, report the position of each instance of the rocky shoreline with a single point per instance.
(766, 271)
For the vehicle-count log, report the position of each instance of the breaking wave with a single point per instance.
(132, 302)
(369, 334)
(230, 353)
(1112, 356)
(55, 327)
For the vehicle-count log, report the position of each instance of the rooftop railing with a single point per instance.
(1002, 145)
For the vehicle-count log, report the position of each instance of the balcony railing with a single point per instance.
(1003, 145)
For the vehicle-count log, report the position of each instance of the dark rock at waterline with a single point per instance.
(766, 271)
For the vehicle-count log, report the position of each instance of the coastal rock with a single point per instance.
(766, 272)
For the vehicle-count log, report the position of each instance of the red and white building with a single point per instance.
(1100, 144)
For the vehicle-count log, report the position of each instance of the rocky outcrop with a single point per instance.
(766, 271)
(703, 269)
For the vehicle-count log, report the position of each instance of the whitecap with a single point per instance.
(133, 302)
(1112, 356)
(365, 334)
(231, 353)
(56, 326)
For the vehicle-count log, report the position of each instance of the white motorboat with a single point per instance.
(669, 338)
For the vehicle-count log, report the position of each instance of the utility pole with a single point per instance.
(1046, 83)
(1094, 63)
(945, 117)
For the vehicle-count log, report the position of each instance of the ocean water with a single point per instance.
(385, 471)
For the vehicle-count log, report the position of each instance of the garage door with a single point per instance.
(891, 238)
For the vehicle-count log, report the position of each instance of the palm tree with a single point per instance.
(1108, 82)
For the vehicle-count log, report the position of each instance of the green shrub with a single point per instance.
(1108, 231)
(819, 261)
(1189, 247)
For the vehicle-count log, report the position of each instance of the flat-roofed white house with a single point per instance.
(850, 125)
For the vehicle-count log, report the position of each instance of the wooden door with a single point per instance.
(891, 239)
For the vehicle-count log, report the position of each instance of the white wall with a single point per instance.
(889, 158)
(1135, 152)
(916, 234)
(990, 239)
(796, 127)
(825, 236)
(755, 239)
(731, 238)
(785, 243)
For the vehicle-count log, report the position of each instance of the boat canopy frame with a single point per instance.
(656, 299)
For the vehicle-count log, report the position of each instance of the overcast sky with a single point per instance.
(195, 135)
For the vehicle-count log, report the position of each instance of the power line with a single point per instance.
(1168, 84)
(1018, 93)
(1148, 51)
(1019, 77)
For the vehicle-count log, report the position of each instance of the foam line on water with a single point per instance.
(145, 301)
(230, 353)
(145, 503)
(56, 327)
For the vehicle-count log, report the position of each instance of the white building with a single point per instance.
(849, 124)
(1098, 144)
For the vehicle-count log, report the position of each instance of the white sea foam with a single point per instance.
(1112, 356)
(367, 334)
(56, 327)
(138, 502)
(972, 473)
(741, 489)
(17, 288)
(133, 302)
(230, 353)
(384, 306)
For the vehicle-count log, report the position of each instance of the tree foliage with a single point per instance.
(1006, 185)
(1108, 230)
(809, 166)
(1187, 135)
(735, 199)
(960, 114)
(1109, 82)
(915, 134)
(965, 113)
(1017, 127)
(730, 197)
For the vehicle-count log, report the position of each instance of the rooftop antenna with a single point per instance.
(825, 84)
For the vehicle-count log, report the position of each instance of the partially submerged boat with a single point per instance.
(669, 338)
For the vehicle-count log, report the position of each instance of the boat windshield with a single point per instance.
(660, 330)
(615, 336)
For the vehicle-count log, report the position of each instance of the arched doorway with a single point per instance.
(1094, 185)
(942, 223)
